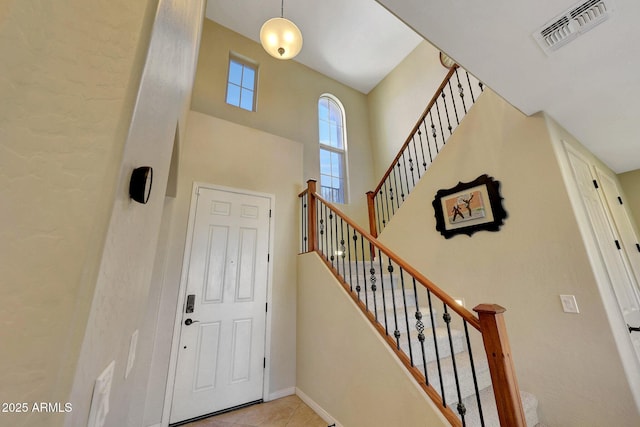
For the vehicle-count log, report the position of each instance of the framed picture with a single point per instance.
(469, 207)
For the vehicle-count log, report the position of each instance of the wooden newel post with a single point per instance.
(371, 200)
(503, 375)
(311, 196)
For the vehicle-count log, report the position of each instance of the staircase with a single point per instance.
(438, 364)
(461, 360)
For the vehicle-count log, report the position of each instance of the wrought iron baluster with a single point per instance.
(406, 314)
(384, 299)
(386, 203)
(461, 92)
(395, 186)
(303, 223)
(326, 233)
(446, 110)
(440, 121)
(332, 251)
(435, 343)
(349, 250)
(343, 249)
(453, 101)
(355, 247)
(406, 178)
(373, 286)
(364, 273)
(447, 320)
(415, 155)
(473, 98)
(321, 240)
(420, 329)
(396, 332)
(473, 372)
(424, 161)
(433, 134)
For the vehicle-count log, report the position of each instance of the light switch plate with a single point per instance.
(569, 304)
(100, 399)
(133, 344)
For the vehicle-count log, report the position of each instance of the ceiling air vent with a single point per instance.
(576, 20)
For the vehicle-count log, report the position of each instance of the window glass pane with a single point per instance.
(233, 95)
(323, 109)
(248, 78)
(325, 162)
(336, 136)
(324, 133)
(246, 100)
(336, 164)
(235, 72)
(335, 116)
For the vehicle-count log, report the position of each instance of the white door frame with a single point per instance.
(615, 317)
(177, 326)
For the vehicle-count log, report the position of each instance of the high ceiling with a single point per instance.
(591, 86)
(356, 42)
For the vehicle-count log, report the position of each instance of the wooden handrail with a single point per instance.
(416, 127)
(463, 312)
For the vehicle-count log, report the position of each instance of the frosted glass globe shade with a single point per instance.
(281, 38)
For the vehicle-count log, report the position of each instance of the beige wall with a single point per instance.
(70, 72)
(287, 101)
(125, 274)
(568, 361)
(344, 366)
(396, 103)
(630, 182)
(220, 152)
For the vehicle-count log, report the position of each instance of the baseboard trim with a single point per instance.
(156, 425)
(317, 408)
(281, 393)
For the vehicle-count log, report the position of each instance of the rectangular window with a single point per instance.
(241, 84)
(331, 175)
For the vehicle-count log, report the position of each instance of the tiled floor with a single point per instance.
(289, 411)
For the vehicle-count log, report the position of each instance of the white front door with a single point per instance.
(222, 340)
(621, 275)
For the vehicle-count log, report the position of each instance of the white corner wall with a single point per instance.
(125, 274)
(396, 103)
(344, 366)
(219, 152)
(568, 361)
(287, 106)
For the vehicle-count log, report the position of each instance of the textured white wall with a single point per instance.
(287, 100)
(122, 289)
(396, 103)
(568, 361)
(68, 81)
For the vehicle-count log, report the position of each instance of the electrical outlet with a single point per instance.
(133, 344)
(569, 304)
(100, 399)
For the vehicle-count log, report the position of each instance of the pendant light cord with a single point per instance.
(282, 9)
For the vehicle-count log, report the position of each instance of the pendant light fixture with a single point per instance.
(280, 37)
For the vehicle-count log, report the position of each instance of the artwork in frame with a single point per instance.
(469, 207)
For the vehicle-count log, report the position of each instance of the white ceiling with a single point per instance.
(356, 42)
(591, 86)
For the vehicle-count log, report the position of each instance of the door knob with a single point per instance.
(632, 329)
(189, 321)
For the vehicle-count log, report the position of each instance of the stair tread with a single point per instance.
(490, 413)
(465, 375)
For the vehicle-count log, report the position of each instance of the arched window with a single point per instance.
(333, 149)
